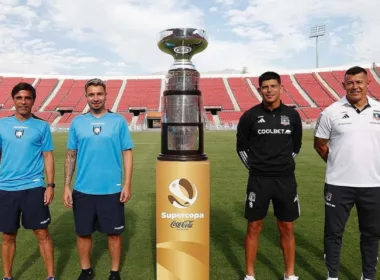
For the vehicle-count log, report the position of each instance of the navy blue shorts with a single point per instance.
(25, 204)
(103, 213)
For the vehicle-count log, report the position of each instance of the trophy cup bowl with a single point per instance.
(182, 44)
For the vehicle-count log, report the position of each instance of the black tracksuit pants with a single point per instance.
(338, 204)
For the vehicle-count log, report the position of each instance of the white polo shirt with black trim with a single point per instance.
(354, 143)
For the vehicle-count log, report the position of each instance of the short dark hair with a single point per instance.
(355, 70)
(23, 86)
(269, 76)
(95, 82)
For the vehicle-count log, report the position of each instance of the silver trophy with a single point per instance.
(182, 110)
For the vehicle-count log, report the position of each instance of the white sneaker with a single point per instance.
(291, 277)
(249, 277)
(330, 278)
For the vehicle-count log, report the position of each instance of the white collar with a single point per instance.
(345, 102)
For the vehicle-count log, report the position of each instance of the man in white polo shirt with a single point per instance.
(347, 137)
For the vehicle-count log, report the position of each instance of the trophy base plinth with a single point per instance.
(202, 157)
(182, 220)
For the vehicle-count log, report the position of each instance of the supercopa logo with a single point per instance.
(183, 193)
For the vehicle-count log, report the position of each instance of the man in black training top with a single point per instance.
(269, 138)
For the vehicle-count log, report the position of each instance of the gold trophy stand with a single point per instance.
(183, 220)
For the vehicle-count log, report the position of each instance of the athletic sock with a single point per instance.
(114, 273)
(87, 271)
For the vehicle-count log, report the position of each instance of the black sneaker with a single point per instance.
(114, 276)
(87, 276)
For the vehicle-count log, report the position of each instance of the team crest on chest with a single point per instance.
(285, 120)
(19, 133)
(97, 129)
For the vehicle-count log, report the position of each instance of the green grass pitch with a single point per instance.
(228, 183)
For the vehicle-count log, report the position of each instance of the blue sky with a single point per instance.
(118, 37)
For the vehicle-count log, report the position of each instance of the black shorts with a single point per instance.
(103, 213)
(282, 191)
(25, 204)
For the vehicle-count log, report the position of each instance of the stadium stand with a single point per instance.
(309, 84)
(47, 116)
(73, 97)
(6, 113)
(215, 93)
(333, 82)
(67, 118)
(6, 86)
(229, 117)
(225, 97)
(311, 113)
(243, 93)
(293, 92)
(373, 86)
(140, 119)
(209, 117)
(127, 116)
(61, 94)
(44, 87)
(113, 89)
(140, 94)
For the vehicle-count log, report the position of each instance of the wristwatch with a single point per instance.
(51, 185)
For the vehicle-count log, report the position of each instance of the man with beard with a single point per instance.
(101, 144)
(347, 137)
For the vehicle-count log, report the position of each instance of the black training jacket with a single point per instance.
(268, 141)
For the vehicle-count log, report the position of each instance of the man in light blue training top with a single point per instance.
(101, 144)
(26, 150)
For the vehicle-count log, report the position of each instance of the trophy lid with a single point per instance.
(182, 43)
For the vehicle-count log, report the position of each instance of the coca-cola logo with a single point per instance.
(182, 225)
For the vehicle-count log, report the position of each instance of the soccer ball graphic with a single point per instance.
(183, 193)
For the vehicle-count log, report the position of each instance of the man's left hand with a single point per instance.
(49, 195)
(125, 194)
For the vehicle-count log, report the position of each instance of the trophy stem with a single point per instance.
(182, 64)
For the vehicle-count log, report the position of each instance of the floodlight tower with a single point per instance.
(315, 32)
